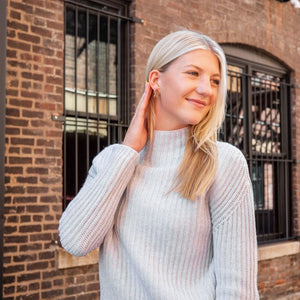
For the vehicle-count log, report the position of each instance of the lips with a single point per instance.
(196, 102)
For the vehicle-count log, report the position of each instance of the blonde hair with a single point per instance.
(198, 166)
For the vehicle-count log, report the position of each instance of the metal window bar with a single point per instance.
(96, 88)
(257, 122)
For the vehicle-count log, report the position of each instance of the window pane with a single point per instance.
(70, 56)
(92, 64)
(233, 127)
(108, 66)
(266, 113)
(92, 108)
(254, 123)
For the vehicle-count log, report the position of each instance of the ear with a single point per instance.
(154, 79)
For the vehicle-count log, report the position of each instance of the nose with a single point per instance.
(204, 87)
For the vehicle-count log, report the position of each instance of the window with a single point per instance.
(96, 101)
(257, 122)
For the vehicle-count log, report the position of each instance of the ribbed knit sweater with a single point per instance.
(155, 244)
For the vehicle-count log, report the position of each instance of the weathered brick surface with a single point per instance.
(279, 277)
(35, 37)
(33, 170)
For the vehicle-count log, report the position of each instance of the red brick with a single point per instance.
(30, 228)
(26, 84)
(22, 141)
(37, 208)
(22, 7)
(26, 179)
(9, 290)
(13, 131)
(29, 38)
(25, 219)
(29, 277)
(37, 189)
(37, 170)
(33, 76)
(41, 31)
(75, 290)
(45, 13)
(11, 54)
(17, 25)
(21, 288)
(20, 102)
(23, 258)
(55, 25)
(18, 45)
(31, 95)
(15, 15)
(11, 92)
(11, 33)
(30, 247)
(19, 64)
(34, 132)
(34, 286)
(39, 3)
(14, 189)
(15, 239)
(10, 229)
(14, 269)
(52, 294)
(14, 170)
(19, 160)
(32, 114)
(16, 122)
(13, 112)
(54, 80)
(43, 51)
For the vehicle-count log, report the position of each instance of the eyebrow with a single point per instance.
(200, 69)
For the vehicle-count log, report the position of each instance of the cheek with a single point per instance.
(215, 97)
(168, 95)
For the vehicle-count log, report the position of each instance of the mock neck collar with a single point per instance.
(167, 148)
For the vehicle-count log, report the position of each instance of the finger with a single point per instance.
(142, 106)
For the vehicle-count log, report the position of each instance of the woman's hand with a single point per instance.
(136, 136)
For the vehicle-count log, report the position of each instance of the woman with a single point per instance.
(171, 209)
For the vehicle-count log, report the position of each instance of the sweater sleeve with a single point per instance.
(234, 233)
(90, 215)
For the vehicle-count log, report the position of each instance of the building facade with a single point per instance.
(70, 74)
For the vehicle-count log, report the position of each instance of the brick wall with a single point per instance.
(278, 277)
(33, 204)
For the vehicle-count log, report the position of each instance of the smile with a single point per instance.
(197, 103)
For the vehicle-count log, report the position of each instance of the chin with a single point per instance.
(194, 121)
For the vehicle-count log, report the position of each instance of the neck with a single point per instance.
(166, 149)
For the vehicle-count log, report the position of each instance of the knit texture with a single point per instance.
(155, 244)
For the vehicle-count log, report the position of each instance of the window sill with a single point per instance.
(66, 260)
(266, 252)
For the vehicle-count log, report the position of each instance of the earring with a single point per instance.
(155, 93)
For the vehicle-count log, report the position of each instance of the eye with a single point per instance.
(215, 82)
(193, 73)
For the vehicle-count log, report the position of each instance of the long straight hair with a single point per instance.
(199, 164)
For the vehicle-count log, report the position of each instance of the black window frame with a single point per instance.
(273, 224)
(86, 145)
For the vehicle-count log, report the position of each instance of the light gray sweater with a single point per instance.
(155, 244)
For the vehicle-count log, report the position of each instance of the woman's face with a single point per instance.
(188, 89)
